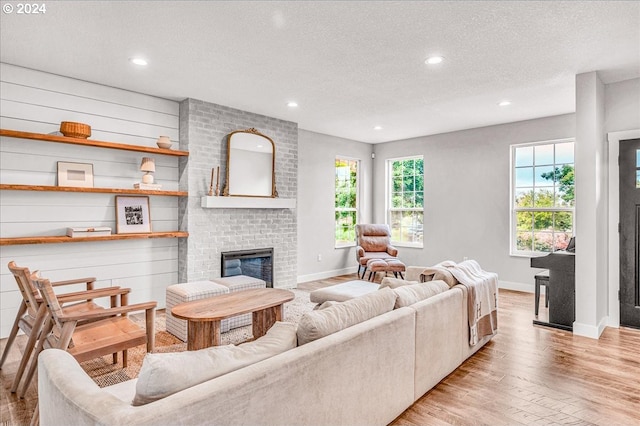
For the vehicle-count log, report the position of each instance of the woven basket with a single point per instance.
(75, 130)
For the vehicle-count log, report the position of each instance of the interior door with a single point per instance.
(629, 232)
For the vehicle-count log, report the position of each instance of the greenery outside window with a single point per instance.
(542, 194)
(346, 200)
(405, 212)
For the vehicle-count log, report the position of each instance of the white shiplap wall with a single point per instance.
(34, 101)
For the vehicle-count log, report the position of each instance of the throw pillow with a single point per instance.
(410, 294)
(163, 374)
(395, 282)
(323, 322)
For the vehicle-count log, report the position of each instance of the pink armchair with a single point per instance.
(373, 242)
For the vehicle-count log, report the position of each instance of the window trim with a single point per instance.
(358, 161)
(512, 208)
(389, 191)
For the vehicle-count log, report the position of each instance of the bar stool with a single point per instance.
(542, 279)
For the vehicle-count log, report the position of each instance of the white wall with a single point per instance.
(467, 194)
(316, 197)
(37, 102)
(622, 106)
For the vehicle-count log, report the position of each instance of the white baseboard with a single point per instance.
(326, 274)
(588, 330)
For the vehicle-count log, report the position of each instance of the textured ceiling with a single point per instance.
(350, 65)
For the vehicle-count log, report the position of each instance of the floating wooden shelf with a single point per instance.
(89, 142)
(65, 239)
(15, 187)
(98, 144)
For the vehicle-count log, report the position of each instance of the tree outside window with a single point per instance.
(346, 201)
(543, 191)
(406, 200)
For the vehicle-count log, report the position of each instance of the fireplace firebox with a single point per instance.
(257, 263)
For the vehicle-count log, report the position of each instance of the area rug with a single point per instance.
(104, 373)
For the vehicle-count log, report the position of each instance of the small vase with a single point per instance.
(164, 142)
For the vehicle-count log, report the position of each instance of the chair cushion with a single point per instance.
(163, 374)
(410, 294)
(368, 255)
(323, 322)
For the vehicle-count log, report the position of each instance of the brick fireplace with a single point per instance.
(212, 231)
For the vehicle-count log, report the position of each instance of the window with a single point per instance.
(406, 200)
(542, 189)
(346, 201)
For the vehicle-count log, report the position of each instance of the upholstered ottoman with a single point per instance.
(185, 292)
(374, 266)
(342, 292)
(239, 283)
(395, 266)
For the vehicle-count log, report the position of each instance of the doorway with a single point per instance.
(629, 232)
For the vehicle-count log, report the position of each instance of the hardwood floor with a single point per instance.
(536, 375)
(526, 375)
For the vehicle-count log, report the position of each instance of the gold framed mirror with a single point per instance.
(251, 158)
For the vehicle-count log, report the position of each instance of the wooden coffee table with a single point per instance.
(203, 316)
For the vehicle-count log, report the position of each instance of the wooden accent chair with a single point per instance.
(32, 311)
(373, 242)
(110, 331)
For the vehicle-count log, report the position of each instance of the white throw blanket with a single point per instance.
(482, 289)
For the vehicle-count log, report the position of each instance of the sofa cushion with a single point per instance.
(395, 282)
(163, 374)
(323, 322)
(410, 294)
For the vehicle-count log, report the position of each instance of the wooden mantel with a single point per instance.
(210, 202)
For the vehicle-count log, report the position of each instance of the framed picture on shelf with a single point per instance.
(132, 215)
(79, 175)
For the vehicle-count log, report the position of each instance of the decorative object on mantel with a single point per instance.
(98, 231)
(132, 215)
(250, 165)
(148, 166)
(152, 186)
(164, 142)
(217, 191)
(79, 175)
(75, 130)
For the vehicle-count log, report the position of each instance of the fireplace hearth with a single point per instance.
(257, 263)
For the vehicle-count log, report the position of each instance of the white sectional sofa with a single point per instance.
(366, 374)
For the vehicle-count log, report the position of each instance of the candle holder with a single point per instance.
(217, 190)
(218, 182)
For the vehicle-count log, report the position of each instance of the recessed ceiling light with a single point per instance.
(292, 104)
(432, 60)
(377, 128)
(504, 103)
(139, 61)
